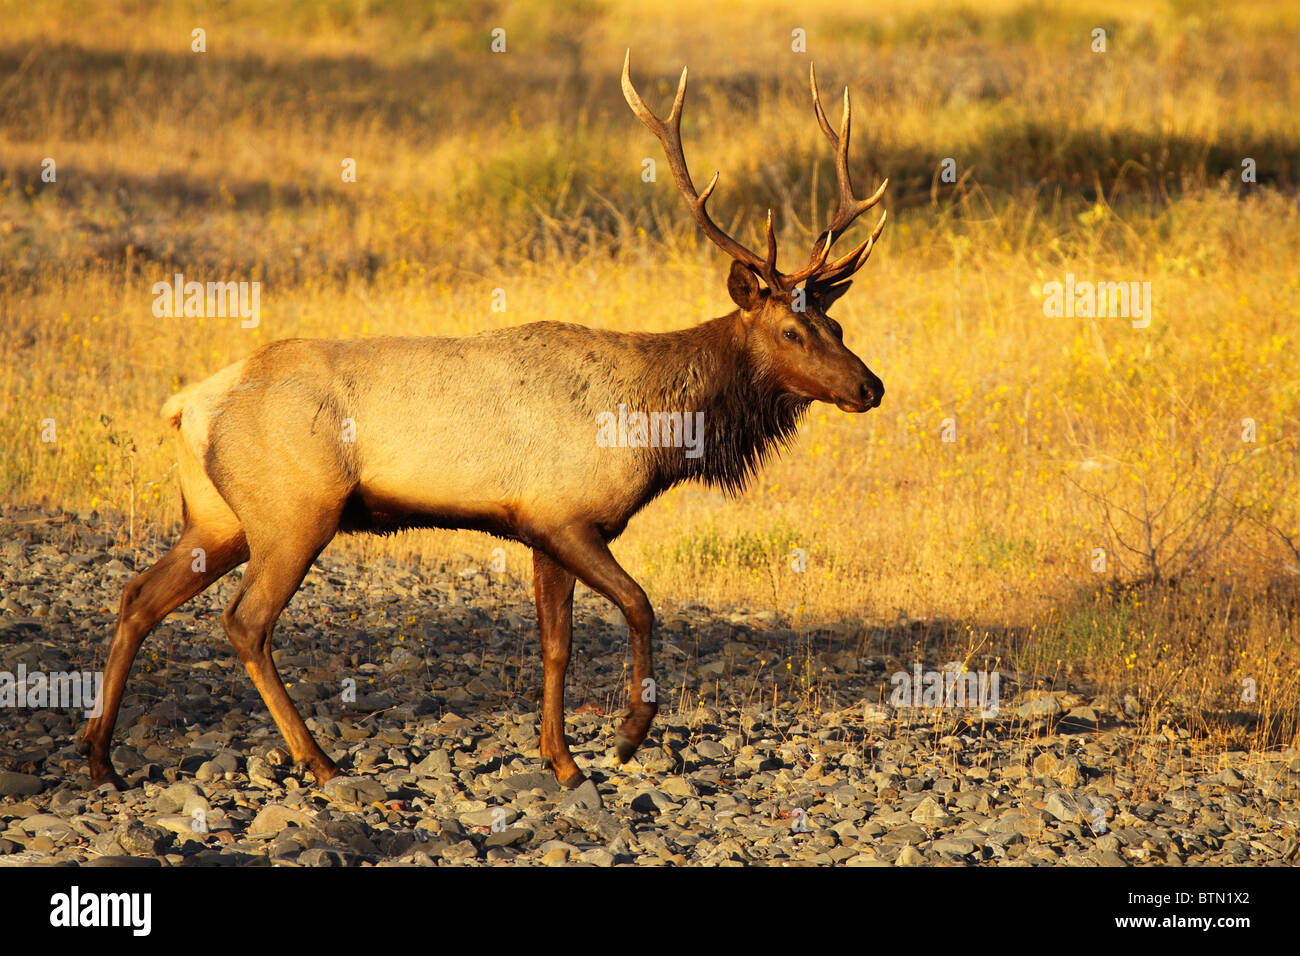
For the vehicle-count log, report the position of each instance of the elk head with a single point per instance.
(789, 334)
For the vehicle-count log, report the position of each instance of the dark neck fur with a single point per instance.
(747, 419)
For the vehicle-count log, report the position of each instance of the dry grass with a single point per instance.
(521, 171)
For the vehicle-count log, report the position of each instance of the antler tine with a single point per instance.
(850, 207)
(822, 121)
(770, 275)
(669, 135)
(842, 268)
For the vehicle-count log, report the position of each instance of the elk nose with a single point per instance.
(873, 390)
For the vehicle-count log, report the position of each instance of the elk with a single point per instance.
(494, 432)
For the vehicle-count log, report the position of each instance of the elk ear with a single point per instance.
(826, 297)
(743, 286)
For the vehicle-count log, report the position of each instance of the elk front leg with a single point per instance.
(553, 591)
(585, 553)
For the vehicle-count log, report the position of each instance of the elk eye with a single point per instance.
(791, 336)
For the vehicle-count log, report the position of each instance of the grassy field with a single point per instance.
(1117, 504)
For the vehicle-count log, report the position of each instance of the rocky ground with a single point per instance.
(773, 746)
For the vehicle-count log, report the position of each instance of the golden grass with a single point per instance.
(521, 171)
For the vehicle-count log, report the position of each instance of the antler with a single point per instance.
(818, 272)
(670, 135)
(850, 208)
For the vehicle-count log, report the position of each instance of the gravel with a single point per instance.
(423, 682)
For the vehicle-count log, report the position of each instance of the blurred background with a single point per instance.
(1171, 158)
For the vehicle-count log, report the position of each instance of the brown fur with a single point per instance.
(495, 432)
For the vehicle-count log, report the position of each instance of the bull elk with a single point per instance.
(493, 432)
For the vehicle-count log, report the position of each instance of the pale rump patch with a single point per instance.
(192, 407)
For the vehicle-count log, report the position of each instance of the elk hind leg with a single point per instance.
(199, 558)
(277, 565)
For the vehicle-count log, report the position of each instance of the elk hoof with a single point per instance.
(574, 782)
(111, 778)
(624, 748)
(323, 772)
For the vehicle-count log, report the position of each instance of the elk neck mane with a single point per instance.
(708, 369)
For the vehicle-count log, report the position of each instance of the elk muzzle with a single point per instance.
(864, 395)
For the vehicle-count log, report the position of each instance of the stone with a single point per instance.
(598, 857)
(599, 822)
(122, 861)
(19, 784)
(274, 817)
(436, 764)
(556, 856)
(177, 823)
(910, 856)
(459, 852)
(140, 840)
(1045, 764)
(910, 833)
(954, 846)
(1064, 808)
(652, 801)
(534, 781)
(511, 836)
(261, 773)
(929, 813)
(680, 787)
(174, 798)
(489, 816)
(360, 791)
(586, 796)
(1046, 706)
(656, 760)
(321, 856)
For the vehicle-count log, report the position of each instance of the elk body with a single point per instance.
(495, 432)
